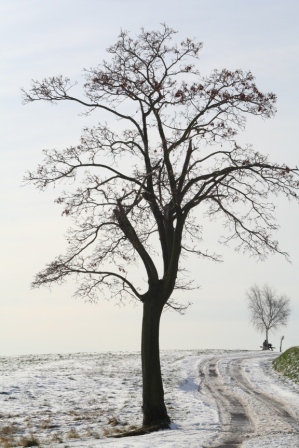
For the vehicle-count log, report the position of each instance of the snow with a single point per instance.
(83, 398)
(259, 374)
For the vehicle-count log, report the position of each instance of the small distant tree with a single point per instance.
(268, 310)
(167, 149)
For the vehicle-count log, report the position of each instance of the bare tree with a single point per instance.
(268, 310)
(169, 148)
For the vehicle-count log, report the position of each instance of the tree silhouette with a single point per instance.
(170, 148)
(268, 311)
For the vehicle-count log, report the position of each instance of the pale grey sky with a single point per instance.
(50, 37)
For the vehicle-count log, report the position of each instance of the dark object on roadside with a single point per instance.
(281, 339)
(267, 345)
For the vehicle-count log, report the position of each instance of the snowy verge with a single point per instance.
(78, 400)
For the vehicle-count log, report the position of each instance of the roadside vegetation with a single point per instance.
(288, 364)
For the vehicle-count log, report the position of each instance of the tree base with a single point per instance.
(145, 429)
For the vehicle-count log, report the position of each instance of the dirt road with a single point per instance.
(246, 411)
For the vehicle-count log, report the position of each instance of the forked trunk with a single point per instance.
(154, 409)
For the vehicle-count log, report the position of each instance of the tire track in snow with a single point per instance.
(236, 426)
(276, 408)
(245, 413)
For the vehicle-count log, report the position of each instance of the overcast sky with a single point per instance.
(52, 37)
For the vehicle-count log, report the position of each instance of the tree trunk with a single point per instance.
(267, 337)
(154, 409)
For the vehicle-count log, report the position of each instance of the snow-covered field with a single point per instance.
(79, 400)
